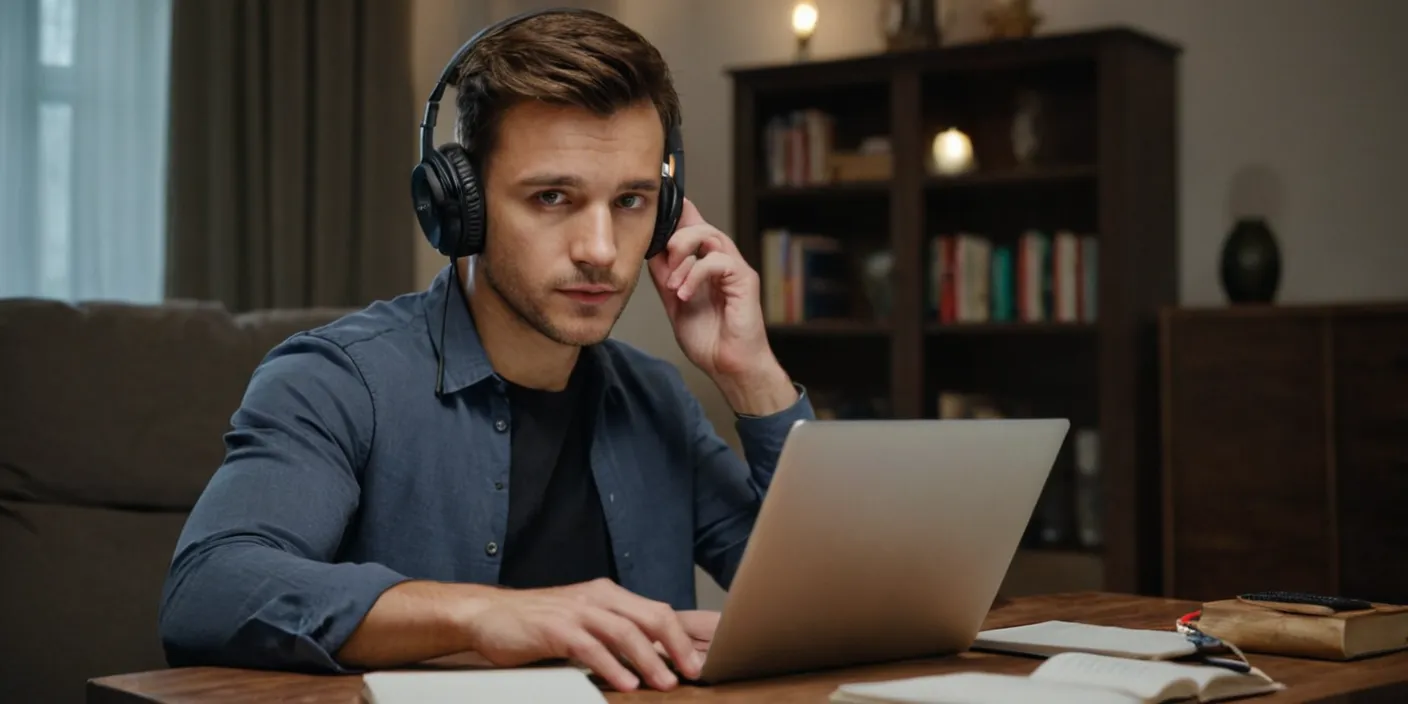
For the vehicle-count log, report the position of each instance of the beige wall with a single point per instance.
(1306, 117)
(1308, 112)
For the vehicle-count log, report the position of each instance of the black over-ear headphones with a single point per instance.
(446, 191)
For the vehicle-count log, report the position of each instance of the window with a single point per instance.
(83, 103)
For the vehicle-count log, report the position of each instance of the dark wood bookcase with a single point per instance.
(1106, 168)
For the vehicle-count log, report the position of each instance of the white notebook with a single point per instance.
(1052, 637)
(530, 685)
(1068, 678)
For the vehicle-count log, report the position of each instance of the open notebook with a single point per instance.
(529, 685)
(1067, 678)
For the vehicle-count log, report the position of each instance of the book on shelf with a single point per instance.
(804, 277)
(1069, 678)
(1070, 511)
(797, 146)
(836, 404)
(1041, 277)
(800, 150)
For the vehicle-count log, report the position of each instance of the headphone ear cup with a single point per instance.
(667, 217)
(437, 207)
(470, 205)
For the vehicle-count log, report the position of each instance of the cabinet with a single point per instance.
(1068, 218)
(1286, 450)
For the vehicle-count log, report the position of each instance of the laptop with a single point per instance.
(880, 540)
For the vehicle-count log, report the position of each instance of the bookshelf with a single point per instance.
(1022, 287)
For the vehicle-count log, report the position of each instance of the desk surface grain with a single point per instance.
(1383, 678)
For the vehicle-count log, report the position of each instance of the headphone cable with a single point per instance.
(445, 306)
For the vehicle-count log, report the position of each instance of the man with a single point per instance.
(552, 498)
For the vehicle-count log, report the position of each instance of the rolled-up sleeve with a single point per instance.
(729, 489)
(254, 581)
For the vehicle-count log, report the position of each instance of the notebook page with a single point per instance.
(974, 688)
(1152, 680)
(1051, 637)
(564, 685)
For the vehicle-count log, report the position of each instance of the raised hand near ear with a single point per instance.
(711, 296)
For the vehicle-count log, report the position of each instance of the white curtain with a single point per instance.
(83, 116)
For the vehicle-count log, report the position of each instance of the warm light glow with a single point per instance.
(953, 152)
(804, 18)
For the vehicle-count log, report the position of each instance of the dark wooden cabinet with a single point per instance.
(1286, 450)
(1105, 170)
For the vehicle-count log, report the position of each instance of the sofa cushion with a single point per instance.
(80, 596)
(120, 405)
(265, 329)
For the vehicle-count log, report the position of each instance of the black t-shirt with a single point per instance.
(556, 528)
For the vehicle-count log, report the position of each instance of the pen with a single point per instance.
(1229, 663)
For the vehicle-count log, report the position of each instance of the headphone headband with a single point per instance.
(432, 104)
(445, 189)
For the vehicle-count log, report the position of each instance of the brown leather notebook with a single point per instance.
(1300, 631)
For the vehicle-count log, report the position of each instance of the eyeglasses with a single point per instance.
(1213, 650)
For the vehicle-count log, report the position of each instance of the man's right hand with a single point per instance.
(595, 623)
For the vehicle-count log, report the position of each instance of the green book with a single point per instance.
(1004, 291)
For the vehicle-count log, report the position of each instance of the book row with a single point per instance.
(1041, 277)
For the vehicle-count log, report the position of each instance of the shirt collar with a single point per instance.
(466, 362)
(455, 340)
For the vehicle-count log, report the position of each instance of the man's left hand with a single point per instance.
(712, 298)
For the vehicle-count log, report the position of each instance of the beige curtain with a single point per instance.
(293, 136)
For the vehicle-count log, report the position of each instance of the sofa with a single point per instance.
(111, 423)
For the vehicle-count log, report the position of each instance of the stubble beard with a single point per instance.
(512, 290)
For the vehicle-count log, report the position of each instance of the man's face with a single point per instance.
(571, 202)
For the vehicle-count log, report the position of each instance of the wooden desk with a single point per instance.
(1380, 679)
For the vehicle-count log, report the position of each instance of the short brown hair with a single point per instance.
(581, 58)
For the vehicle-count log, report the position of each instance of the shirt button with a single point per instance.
(501, 425)
(492, 548)
(498, 486)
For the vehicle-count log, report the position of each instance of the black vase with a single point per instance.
(1251, 263)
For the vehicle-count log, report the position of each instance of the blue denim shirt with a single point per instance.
(346, 474)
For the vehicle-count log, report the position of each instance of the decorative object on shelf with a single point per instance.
(1026, 127)
(1011, 19)
(909, 24)
(804, 17)
(952, 153)
(1251, 257)
(1251, 262)
(870, 162)
(878, 286)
